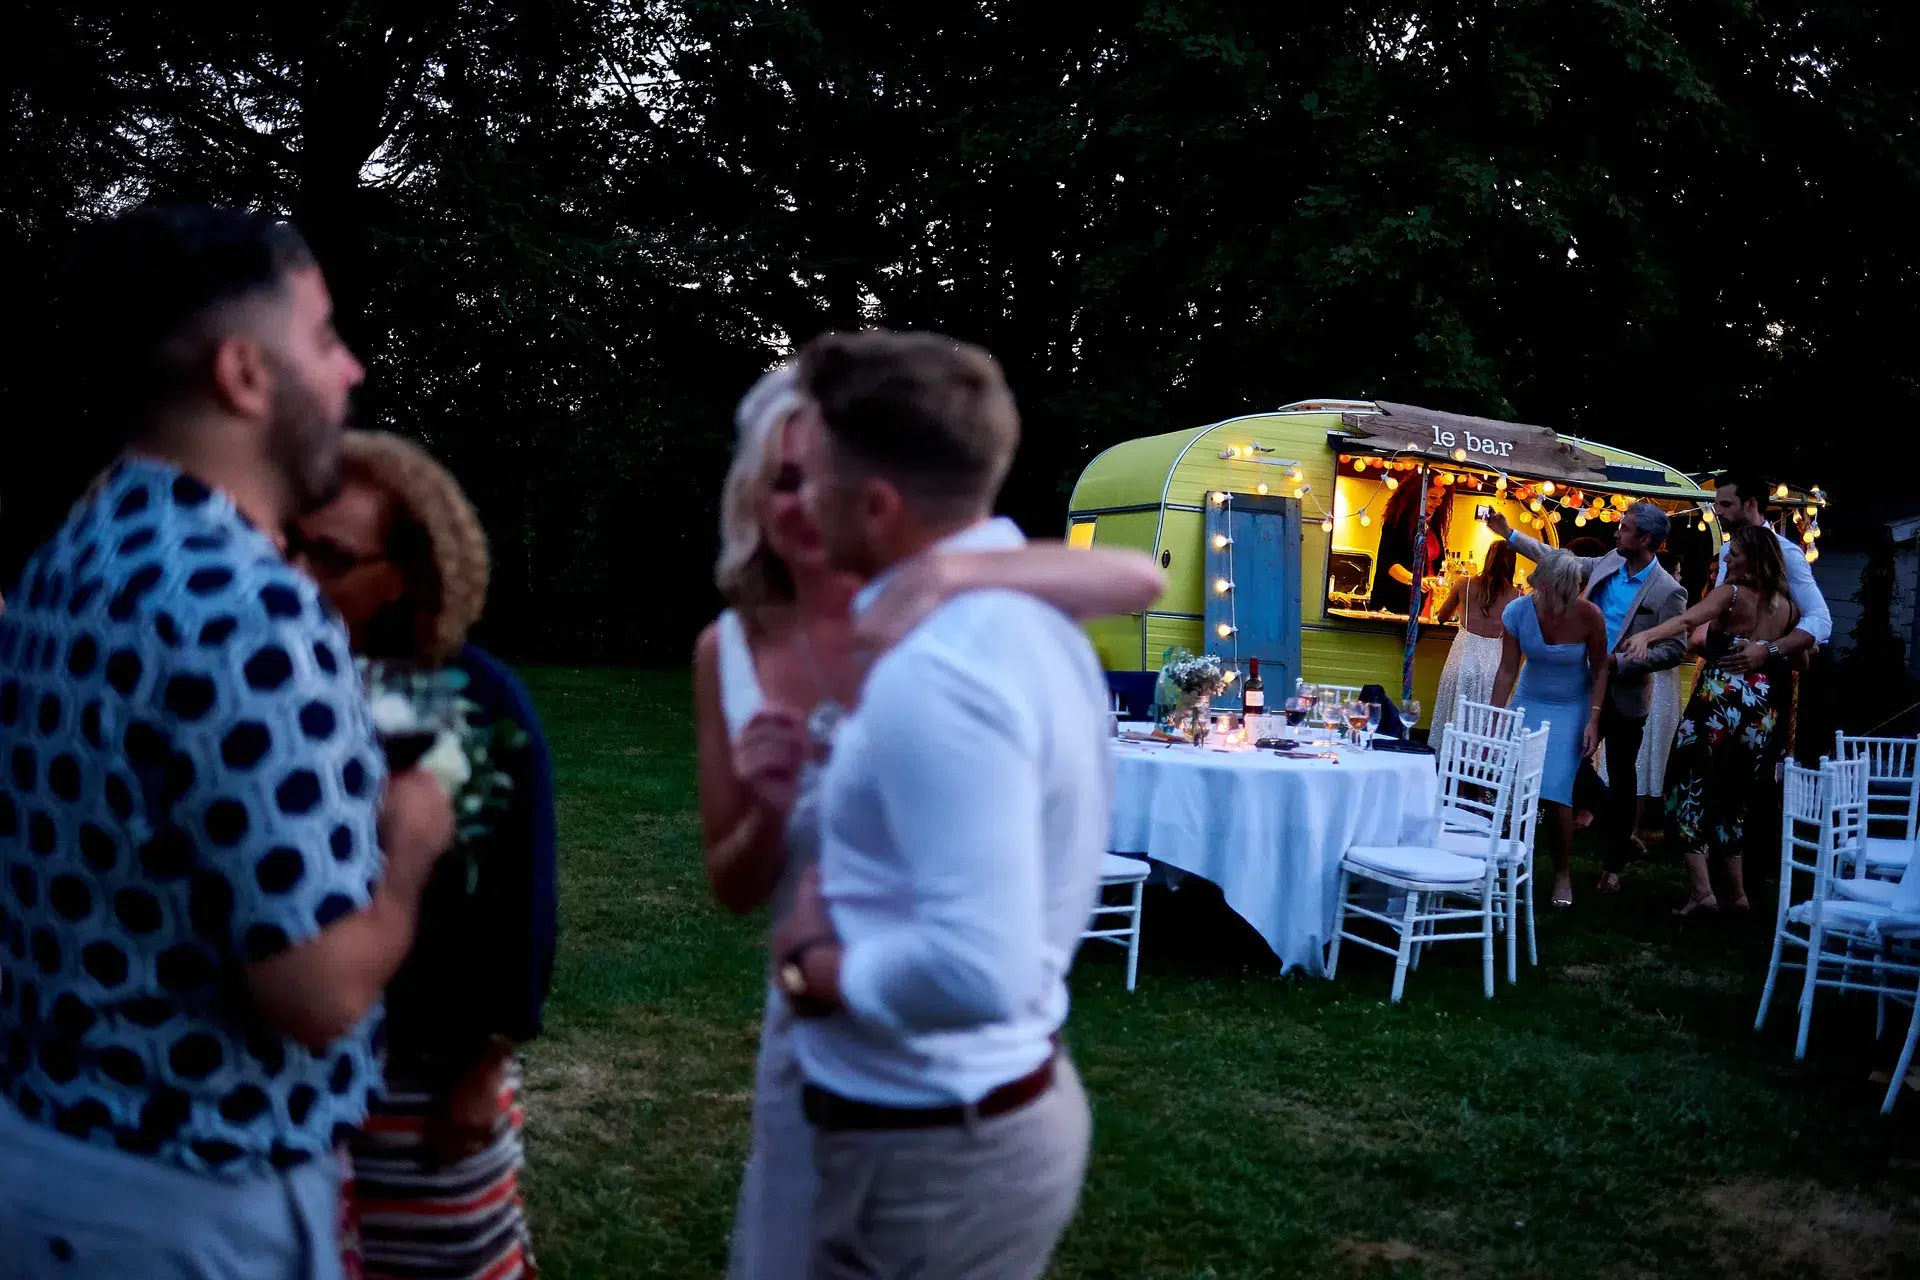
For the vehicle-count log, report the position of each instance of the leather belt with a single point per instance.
(830, 1111)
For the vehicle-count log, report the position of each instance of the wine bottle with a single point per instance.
(1253, 697)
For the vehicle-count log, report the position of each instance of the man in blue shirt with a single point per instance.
(197, 918)
(1633, 593)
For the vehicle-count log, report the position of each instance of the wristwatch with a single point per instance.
(1773, 650)
(792, 974)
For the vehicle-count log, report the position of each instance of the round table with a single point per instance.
(1270, 831)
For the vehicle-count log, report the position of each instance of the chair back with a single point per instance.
(1834, 831)
(1476, 782)
(1529, 779)
(1893, 782)
(1488, 721)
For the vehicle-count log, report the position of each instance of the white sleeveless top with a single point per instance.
(740, 696)
(740, 699)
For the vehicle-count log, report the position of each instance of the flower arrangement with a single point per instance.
(466, 754)
(1192, 677)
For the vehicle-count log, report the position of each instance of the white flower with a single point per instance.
(393, 713)
(447, 761)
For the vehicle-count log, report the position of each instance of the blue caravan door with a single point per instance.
(1253, 591)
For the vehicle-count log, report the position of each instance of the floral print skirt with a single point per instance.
(1727, 754)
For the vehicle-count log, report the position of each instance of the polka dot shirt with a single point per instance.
(188, 783)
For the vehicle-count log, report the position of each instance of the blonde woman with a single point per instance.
(1562, 639)
(771, 675)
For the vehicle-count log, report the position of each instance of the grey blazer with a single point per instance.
(1661, 599)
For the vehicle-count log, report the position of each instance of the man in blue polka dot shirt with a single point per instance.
(206, 877)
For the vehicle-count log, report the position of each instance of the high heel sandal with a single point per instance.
(1698, 904)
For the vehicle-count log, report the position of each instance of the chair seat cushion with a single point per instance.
(1416, 862)
(1841, 913)
(1116, 869)
(1878, 892)
(1471, 844)
(1883, 852)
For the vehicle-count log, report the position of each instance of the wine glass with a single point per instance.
(1410, 715)
(1373, 722)
(1330, 715)
(1356, 713)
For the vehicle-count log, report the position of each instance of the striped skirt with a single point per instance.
(406, 1220)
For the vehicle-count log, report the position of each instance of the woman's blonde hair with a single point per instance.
(1557, 580)
(447, 576)
(748, 572)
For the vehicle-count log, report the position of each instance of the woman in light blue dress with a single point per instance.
(1562, 639)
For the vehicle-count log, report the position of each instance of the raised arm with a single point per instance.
(1083, 583)
(1637, 646)
(742, 839)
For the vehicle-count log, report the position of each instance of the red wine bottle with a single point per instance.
(1253, 697)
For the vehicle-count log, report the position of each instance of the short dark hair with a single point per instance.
(1745, 485)
(139, 283)
(932, 414)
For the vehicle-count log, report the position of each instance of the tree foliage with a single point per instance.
(567, 235)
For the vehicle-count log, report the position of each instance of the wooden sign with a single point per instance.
(1487, 442)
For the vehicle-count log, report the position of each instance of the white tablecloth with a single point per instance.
(1270, 831)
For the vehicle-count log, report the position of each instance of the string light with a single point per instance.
(1365, 519)
(1297, 475)
(1326, 526)
(1459, 455)
(1219, 499)
(1360, 464)
(1546, 487)
(1261, 487)
(1580, 521)
(1536, 506)
(1220, 541)
(1392, 484)
(1780, 492)
(1224, 630)
(1222, 586)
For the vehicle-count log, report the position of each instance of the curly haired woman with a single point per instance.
(435, 1188)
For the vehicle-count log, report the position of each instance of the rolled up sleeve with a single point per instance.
(961, 795)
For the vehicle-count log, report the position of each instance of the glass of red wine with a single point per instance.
(405, 745)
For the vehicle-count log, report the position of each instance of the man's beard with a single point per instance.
(303, 443)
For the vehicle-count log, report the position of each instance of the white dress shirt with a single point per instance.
(963, 816)
(1814, 618)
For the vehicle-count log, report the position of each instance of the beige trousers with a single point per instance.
(981, 1201)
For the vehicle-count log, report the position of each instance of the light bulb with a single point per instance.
(1392, 484)
(1546, 486)
(1297, 475)
(1326, 526)
(1459, 455)
(1555, 517)
(1359, 464)
(1365, 519)
(1580, 522)
(1726, 537)
(1813, 553)
(1219, 499)
(1224, 630)
(1297, 493)
(1220, 541)
(1780, 492)
(1701, 526)
(1222, 586)
(1446, 477)
(1261, 487)
(1536, 505)
(1229, 676)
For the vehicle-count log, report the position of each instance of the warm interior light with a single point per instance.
(1546, 486)
(1326, 526)
(1222, 585)
(1220, 541)
(1219, 499)
(1224, 630)
(1459, 455)
(1261, 487)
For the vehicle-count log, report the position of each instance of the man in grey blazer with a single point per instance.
(1633, 593)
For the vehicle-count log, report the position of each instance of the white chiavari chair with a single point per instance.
(1130, 876)
(1893, 800)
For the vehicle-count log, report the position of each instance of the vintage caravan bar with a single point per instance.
(1290, 535)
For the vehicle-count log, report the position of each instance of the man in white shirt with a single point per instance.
(963, 815)
(1740, 500)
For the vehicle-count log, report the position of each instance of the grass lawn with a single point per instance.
(1613, 1115)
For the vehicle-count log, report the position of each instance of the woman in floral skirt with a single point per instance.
(1736, 728)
